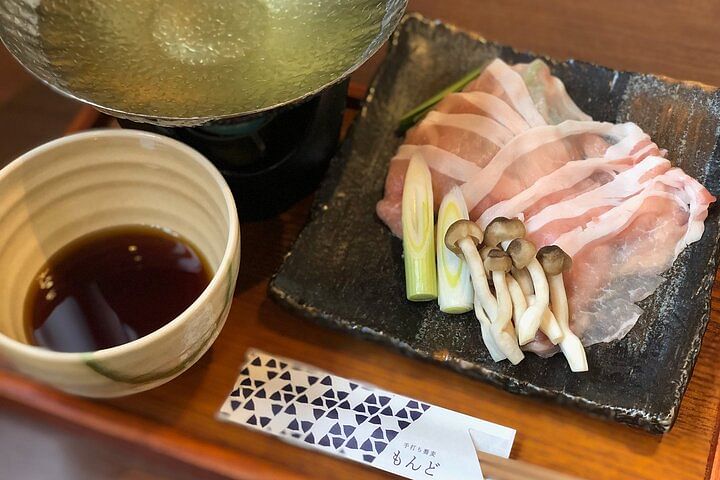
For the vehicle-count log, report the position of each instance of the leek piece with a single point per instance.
(455, 290)
(418, 232)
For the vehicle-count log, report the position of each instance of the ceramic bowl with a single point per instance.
(99, 179)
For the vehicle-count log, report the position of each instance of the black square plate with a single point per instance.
(345, 270)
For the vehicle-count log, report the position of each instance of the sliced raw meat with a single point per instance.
(619, 256)
(548, 93)
(472, 137)
(542, 150)
(564, 184)
(552, 221)
(500, 80)
(485, 104)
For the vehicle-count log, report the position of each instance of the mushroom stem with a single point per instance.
(532, 318)
(477, 275)
(487, 335)
(523, 279)
(502, 325)
(550, 327)
(519, 303)
(570, 345)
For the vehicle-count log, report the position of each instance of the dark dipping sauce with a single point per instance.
(111, 287)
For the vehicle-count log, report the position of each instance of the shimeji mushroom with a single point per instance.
(520, 251)
(502, 231)
(462, 238)
(486, 332)
(519, 302)
(499, 263)
(554, 262)
(523, 278)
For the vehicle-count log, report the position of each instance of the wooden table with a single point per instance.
(177, 420)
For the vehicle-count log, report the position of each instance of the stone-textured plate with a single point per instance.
(345, 269)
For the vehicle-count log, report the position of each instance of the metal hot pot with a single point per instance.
(258, 86)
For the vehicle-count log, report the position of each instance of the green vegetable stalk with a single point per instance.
(418, 232)
(455, 290)
(417, 113)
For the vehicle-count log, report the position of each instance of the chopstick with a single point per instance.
(499, 468)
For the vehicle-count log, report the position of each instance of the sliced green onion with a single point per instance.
(418, 232)
(417, 113)
(455, 290)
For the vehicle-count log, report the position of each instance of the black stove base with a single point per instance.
(271, 161)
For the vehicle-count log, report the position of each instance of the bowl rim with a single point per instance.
(392, 18)
(232, 243)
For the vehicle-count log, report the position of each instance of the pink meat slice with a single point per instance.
(562, 185)
(500, 80)
(547, 224)
(618, 258)
(485, 104)
(542, 150)
(472, 137)
(548, 93)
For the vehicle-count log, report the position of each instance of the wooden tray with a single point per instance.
(346, 268)
(178, 420)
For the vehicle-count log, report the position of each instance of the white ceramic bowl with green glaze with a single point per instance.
(104, 178)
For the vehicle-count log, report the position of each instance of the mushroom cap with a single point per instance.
(459, 230)
(498, 261)
(522, 252)
(554, 260)
(502, 229)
